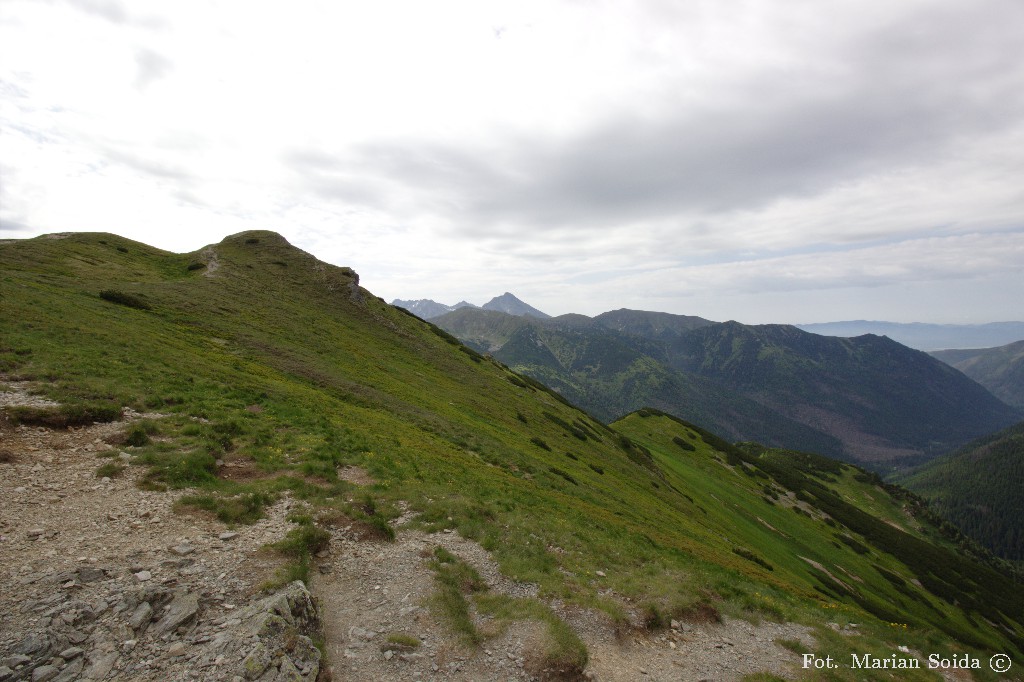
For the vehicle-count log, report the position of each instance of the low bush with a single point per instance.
(125, 299)
(64, 416)
(539, 442)
(751, 556)
(564, 474)
(684, 444)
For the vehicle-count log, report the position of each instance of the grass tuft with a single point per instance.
(246, 508)
(110, 470)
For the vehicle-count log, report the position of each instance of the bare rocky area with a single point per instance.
(104, 581)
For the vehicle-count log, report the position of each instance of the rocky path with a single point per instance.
(102, 580)
(375, 592)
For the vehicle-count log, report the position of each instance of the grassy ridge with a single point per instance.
(280, 366)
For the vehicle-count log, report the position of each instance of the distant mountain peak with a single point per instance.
(427, 309)
(508, 303)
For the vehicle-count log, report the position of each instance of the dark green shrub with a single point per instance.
(196, 265)
(64, 416)
(539, 442)
(563, 474)
(751, 556)
(684, 444)
(122, 298)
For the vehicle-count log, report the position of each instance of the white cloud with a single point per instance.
(583, 154)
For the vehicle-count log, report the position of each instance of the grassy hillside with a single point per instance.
(978, 488)
(1000, 369)
(268, 362)
(832, 513)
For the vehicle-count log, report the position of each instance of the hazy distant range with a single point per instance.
(927, 337)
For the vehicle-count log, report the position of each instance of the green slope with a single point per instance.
(978, 488)
(829, 525)
(261, 355)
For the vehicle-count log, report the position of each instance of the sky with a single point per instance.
(759, 160)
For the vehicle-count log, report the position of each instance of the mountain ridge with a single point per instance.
(735, 378)
(926, 336)
(1000, 369)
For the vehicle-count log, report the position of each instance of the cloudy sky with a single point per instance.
(758, 160)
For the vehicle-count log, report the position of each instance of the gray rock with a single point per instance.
(88, 574)
(143, 576)
(288, 672)
(71, 653)
(140, 617)
(357, 632)
(182, 610)
(71, 671)
(45, 673)
(228, 535)
(33, 645)
(75, 636)
(16, 660)
(256, 662)
(183, 549)
(6, 673)
(100, 665)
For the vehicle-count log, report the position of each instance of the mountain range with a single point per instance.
(1000, 370)
(270, 377)
(926, 337)
(866, 399)
(506, 303)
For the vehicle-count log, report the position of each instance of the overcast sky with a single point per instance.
(758, 160)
